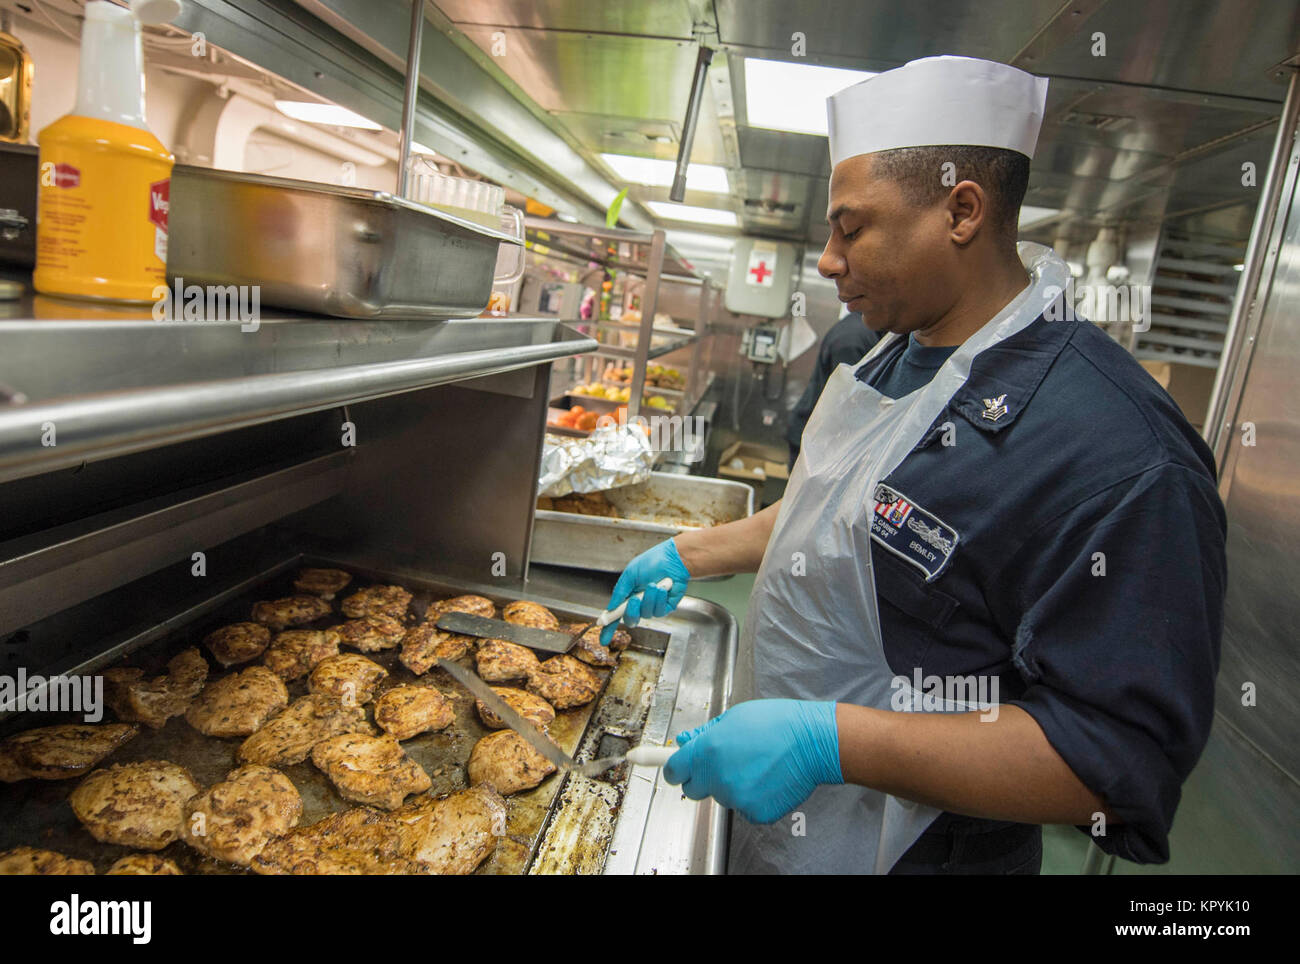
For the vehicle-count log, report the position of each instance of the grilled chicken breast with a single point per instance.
(370, 634)
(29, 861)
(373, 770)
(295, 652)
(236, 818)
(154, 701)
(448, 836)
(347, 677)
(321, 582)
(356, 841)
(455, 834)
(60, 752)
(290, 735)
(524, 613)
(279, 614)
(377, 601)
(474, 605)
(135, 804)
(532, 708)
(237, 643)
(505, 762)
(238, 704)
(590, 651)
(425, 644)
(565, 682)
(144, 865)
(406, 711)
(499, 661)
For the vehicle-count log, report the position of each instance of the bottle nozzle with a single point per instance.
(155, 12)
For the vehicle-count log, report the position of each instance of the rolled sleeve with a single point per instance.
(1120, 621)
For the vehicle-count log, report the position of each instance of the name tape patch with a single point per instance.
(909, 532)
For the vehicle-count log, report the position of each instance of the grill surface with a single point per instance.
(562, 826)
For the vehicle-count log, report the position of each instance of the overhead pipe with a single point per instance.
(412, 94)
(702, 61)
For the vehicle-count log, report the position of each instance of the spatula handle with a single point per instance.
(615, 614)
(648, 755)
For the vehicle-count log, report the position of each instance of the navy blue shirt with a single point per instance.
(1059, 527)
(907, 367)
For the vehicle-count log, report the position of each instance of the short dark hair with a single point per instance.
(1003, 174)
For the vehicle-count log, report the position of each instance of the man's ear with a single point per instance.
(967, 208)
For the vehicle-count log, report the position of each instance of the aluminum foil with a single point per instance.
(610, 456)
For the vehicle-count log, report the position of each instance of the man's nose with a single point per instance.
(831, 264)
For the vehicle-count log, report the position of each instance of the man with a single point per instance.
(846, 342)
(997, 500)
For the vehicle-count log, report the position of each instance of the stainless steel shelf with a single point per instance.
(616, 351)
(113, 381)
(583, 244)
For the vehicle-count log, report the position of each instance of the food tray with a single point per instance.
(652, 511)
(328, 250)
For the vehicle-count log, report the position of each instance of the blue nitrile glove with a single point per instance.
(761, 758)
(641, 574)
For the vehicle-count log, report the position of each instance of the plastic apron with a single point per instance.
(813, 631)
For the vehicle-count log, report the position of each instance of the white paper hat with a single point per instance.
(938, 101)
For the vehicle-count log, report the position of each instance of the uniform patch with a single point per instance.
(909, 532)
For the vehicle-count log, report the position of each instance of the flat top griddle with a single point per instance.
(562, 826)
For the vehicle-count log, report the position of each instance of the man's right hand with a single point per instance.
(641, 575)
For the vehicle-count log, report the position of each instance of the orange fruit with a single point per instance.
(587, 421)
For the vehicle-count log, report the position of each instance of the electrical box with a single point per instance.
(760, 344)
(762, 274)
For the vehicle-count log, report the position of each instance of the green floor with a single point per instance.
(1064, 848)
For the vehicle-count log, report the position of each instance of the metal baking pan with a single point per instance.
(329, 250)
(568, 820)
(651, 511)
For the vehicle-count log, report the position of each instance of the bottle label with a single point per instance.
(159, 201)
(64, 175)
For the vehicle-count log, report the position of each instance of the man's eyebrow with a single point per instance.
(837, 213)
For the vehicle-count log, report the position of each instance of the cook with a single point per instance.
(989, 496)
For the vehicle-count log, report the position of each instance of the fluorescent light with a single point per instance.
(329, 114)
(418, 148)
(1030, 215)
(687, 212)
(792, 97)
(1238, 267)
(648, 170)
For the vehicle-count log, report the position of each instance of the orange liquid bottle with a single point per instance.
(101, 214)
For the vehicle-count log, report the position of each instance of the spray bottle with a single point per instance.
(101, 215)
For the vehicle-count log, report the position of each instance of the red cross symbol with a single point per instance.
(761, 272)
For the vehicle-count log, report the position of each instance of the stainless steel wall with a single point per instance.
(1241, 802)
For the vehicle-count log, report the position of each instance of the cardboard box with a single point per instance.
(758, 463)
(1190, 386)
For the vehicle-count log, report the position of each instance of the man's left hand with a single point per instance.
(761, 758)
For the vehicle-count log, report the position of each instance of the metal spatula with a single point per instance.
(467, 624)
(647, 755)
(547, 640)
